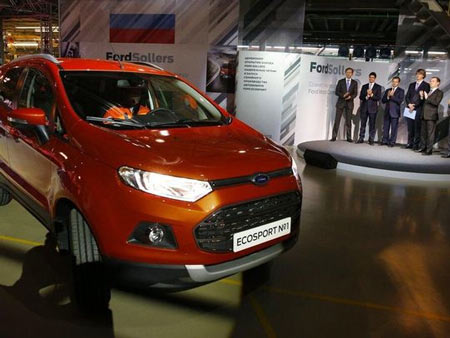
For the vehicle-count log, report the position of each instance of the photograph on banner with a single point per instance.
(221, 69)
(317, 108)
(70, 49)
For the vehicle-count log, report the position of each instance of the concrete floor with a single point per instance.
(373, 260)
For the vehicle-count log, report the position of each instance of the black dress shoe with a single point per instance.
(383, 144)
(408, 146)
(360, 141)
(371, 143)
(426, 153)
(446, 156)
(333, 139)
(349, 140)
(391, 145)
(415, 148)
(422, 150)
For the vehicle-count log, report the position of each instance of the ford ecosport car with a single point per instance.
(141, 177)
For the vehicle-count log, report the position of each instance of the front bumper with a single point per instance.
(142, 275)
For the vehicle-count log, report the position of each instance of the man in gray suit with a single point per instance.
(346, 90)
(432, 99)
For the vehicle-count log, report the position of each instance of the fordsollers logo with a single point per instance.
(331, 69)
(147, 57)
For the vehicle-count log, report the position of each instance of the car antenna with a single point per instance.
(118, 60)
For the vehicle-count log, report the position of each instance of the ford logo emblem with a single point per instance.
(260, 179)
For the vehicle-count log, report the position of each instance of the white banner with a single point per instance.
(266, 94)
(186, 60)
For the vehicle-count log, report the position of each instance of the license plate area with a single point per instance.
(264, 233)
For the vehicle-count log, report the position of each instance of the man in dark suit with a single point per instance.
(413, 102)
(448, 149)
(393, 98)
(430, 115)
(346, 90)
(369, 96)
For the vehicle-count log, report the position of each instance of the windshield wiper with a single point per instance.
(188, 123)
(113, 121)
(175, 124)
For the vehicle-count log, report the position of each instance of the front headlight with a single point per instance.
(294, 168)
(183, 189)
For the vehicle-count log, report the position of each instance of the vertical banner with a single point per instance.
(222, 39)
(266, 96)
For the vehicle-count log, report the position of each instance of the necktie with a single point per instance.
(417, 85)
(348, 85)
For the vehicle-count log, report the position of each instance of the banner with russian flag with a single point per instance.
(142, 28)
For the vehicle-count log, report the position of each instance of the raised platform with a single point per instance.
(379, 160)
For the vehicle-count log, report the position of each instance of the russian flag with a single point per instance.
(142, 28)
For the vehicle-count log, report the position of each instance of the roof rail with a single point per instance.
(152, 65)
(48, 57)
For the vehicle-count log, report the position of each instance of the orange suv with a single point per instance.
(141, 178)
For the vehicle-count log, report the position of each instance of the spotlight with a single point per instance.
(371, 52)
(385, 53)
(358, 52)
(343, 51)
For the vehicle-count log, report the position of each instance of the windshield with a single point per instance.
(134, 100)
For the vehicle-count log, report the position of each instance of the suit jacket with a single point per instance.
(413, 96)
(431, 105)
(341, 89)
(393, 104)
(370, 105)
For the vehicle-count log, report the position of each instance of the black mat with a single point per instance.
(380, 157)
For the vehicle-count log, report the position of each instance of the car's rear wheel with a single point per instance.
(5, 197)
(91, 287)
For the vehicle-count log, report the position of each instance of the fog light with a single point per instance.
(155, 234)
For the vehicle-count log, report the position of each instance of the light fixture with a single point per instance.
(25, 44)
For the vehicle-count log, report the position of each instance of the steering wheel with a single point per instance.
(167, 110)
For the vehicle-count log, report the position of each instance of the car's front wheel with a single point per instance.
(91, 286)
(5, 197)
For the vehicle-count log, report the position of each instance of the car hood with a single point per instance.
(205, 153)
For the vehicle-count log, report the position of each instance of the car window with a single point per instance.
(147, 98)
(8, 85)
(37, 93)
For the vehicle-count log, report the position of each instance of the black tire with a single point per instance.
(90, 283)
(5, 197)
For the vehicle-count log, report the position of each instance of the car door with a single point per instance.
(8, 97)
(30, 157)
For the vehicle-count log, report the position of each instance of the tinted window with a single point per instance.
(37, 93)
(143, 97)
(8, 85)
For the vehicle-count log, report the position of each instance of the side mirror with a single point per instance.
(28, 117)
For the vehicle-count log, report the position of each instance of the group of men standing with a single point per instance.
(422, 104)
